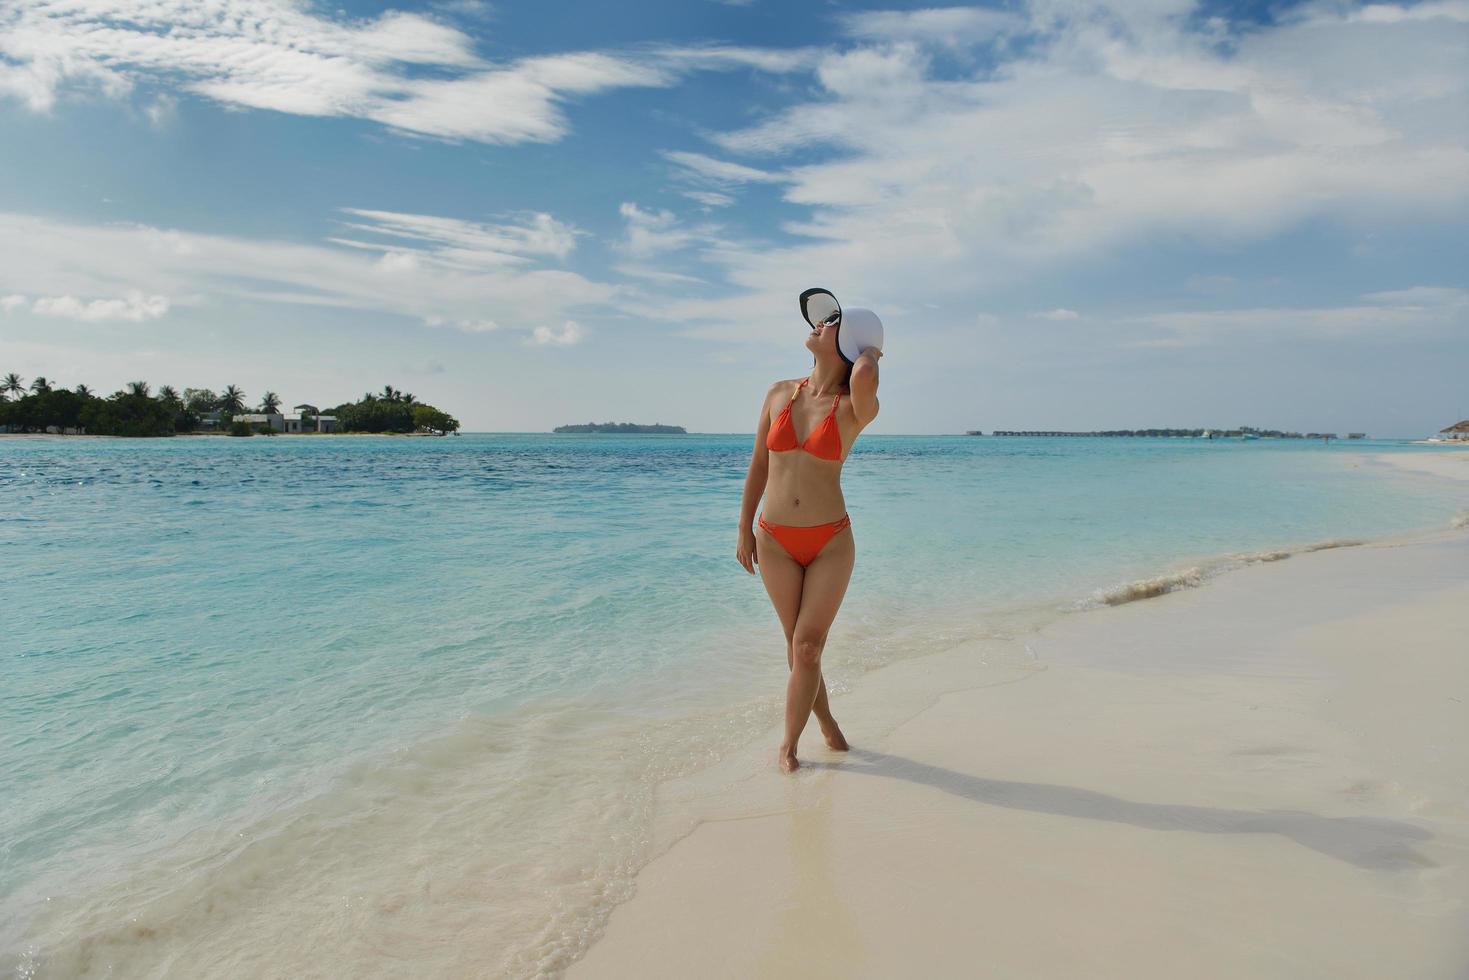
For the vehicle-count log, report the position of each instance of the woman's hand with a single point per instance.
(745, 550)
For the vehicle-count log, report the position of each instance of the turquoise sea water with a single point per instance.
(360, 689)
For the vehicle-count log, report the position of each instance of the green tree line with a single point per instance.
(392, 411)
(137, 410)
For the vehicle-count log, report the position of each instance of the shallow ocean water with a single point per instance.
(400, 705)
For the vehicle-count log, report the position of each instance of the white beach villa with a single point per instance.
(308, 418)
(263, 420)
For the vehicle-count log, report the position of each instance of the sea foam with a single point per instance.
(1194, 576)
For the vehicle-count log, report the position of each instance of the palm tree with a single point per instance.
(12, 385)
(40, 386)
(200, 400)
(409, 400)
(84, 391)
(390, 394)
(138, 388)
(169, 395)
(270, 402)
(233, 400)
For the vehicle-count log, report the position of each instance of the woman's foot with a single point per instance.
(786, 758)
(835, 740)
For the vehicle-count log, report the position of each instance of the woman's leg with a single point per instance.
(783, 577)
(821, 596)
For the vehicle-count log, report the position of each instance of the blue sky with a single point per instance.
(1069, 214)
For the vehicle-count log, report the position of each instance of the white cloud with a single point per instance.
(880, 76)
(391, 262)
(277, 55)
(717, 57)
(1104, 127)
(543, 336)
(133, 306)
(457, 243)
(450, 277)
(253, 52)
(1381, 13)
(520, 103)
(468, 326)
(1060, 313)
(651, 232)
(712, 182)
(656, 275)
(161, 111)
(12, 302)
(721, 172)
(710, 199)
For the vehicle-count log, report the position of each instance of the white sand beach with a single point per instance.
(1263, 777)
(1450, 463)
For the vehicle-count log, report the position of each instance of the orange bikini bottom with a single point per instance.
(804, 543)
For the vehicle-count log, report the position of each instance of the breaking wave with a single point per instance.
(1196, 575)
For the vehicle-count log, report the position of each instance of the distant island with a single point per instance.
(624, 428)
(1243, 432)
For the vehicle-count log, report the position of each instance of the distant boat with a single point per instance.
(1249, 435)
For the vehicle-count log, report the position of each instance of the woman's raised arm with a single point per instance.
(864, 385)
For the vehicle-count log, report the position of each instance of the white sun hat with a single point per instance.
(857, 329)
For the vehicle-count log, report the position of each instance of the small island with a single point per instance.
(1243, 432)
(624, 428)
(137, 411)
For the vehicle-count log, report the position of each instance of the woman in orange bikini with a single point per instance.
(804, 544)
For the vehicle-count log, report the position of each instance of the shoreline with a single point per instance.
(1220, 781)
(886, 697)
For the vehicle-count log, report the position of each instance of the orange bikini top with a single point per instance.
(824, 441)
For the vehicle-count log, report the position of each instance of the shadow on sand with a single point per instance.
(1367, 842)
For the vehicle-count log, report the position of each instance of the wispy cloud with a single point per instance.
(1102, 127)
(465, 244)
(712, 182)
(276, 55)
(634, 271)
(453, 280)
(722, 172)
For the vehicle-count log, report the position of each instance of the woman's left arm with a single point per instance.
(864, 385)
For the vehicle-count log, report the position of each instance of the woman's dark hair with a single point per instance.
(846, 380)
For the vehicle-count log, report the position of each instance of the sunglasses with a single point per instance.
(831, 321)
